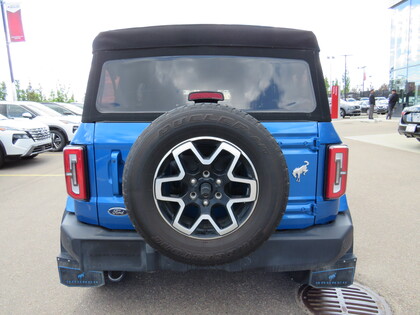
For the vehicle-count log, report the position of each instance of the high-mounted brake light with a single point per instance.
(75, 172)
(211, 97)
(336, 181)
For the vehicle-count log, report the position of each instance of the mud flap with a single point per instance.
(72, 276)
(341, 274)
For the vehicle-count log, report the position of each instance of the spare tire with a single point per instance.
(205, 184)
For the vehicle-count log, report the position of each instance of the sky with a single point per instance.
(59, 34)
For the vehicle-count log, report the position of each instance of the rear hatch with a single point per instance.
(273, 90)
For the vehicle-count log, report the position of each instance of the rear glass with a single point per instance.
(163, 83)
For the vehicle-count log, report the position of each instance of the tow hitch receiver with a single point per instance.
(72, 276)
(341, 274)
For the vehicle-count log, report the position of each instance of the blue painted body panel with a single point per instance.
(108, 145)
(86, 211)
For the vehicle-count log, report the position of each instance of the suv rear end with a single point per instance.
(206, 146)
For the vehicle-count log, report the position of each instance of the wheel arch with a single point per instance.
(3, 149)
(61, 130)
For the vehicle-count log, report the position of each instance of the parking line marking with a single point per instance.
(31, 175)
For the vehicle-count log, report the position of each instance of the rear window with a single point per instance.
(162, 83)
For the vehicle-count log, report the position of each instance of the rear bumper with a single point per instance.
(402, 130)
(382, 110)
(92, 248)
(355, 112)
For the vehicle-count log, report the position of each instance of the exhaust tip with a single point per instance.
(116, 276)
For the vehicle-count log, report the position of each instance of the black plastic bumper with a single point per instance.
(93, 248)
(402, 130)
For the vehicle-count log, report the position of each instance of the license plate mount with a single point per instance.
(411, 128)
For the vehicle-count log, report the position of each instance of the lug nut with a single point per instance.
(218, 181)
(205, 202)
(193, 181)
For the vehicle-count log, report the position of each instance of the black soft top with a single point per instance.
(205, 35)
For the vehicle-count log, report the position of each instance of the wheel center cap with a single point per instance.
(205, 190)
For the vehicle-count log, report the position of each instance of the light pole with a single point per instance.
(330, 58)
(370, 83)
(345, 75)
(364, 78)
(7, 41)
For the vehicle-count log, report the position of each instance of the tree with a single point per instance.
(3, 91)
(34, 95)
(62, 95)
(29, 94)
(20, 93)
(346, 84)
(384, 87)
(327, 85)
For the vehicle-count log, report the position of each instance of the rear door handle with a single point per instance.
(115, 173)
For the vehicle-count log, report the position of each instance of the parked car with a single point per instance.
(22, 139)
(349, 108)
(381, 106)
(65, 109)
(78, 105)
(364, 106)
(206, 149)
(410, 122)
(62, 127)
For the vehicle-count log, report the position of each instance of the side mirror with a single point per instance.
(27, 115)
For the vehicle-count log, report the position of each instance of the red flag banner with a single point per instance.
(14, 20)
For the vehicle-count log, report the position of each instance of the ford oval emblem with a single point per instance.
(117, 211)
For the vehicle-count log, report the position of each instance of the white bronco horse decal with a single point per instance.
(298, 171)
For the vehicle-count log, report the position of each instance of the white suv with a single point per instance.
(22, 139)
(62, 127)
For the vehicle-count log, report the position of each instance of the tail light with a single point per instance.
(338, 157)
(75, 172)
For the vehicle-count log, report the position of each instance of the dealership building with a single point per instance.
(405, 51)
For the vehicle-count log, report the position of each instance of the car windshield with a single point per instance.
(75, 109)
(247, 83)
(43, 110)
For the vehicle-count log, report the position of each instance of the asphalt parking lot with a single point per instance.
(383, 196)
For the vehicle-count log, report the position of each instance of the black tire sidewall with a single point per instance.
(63, 142)
(211, 121)
(2, 157)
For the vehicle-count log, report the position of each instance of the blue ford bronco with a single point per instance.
(206, 147)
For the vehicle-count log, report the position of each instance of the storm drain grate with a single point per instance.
(354, 299)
